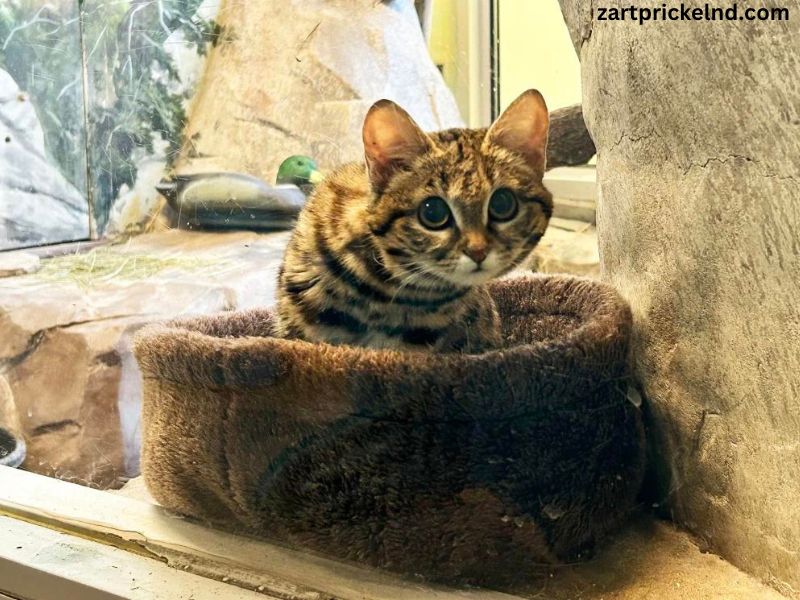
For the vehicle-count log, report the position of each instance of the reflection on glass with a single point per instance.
(42, 128)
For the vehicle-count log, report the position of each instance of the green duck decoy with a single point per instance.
(299, 170)
(232, 200)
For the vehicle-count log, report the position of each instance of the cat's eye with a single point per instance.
(434, 213)
(503, 205)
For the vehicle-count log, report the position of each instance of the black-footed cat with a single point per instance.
(395, 253)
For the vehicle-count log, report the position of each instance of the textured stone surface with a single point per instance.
(9, 416)
(12, 443)
(64, 342)
(18, 263)
(568, 246)
(37, 204)
(303, 87)
(569, 142)
(697, 128)
(653, 561)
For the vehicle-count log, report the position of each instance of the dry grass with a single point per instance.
(99, 265)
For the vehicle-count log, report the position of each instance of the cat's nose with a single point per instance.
(476, 245)
(477, 252)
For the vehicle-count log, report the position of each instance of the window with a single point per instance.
(105, 104)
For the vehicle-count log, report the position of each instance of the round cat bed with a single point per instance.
(462, 467)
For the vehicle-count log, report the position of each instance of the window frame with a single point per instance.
(135, 532)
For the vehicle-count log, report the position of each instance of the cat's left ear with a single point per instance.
(392, 140)
(523, 128)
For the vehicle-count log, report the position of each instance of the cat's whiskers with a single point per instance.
(406, 267)
(418, 270)
(434, 279)
(407, 281)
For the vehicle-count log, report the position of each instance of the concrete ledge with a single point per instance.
(650, 560)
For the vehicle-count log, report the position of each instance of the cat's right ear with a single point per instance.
(523, 128)
(392, 140)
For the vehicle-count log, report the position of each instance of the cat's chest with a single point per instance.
(370, 339)
(381, 325)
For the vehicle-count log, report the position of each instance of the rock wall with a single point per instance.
(37, 203)
(304, 86)
(74, 387)
(697, 127)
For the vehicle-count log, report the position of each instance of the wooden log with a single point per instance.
(570, 143)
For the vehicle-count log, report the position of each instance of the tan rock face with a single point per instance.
(9, 416)
(297, 77)
(18, 263)
(67, 399)
(64, 342)
(12, 442)
(696, 127)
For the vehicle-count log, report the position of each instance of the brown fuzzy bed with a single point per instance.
(459, 467)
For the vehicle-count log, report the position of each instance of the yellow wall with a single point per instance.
(536, 52)
(448, 45)
(442, 42)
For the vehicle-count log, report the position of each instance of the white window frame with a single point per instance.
(574, 192)
(60, 541)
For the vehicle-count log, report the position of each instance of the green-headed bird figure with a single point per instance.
(299, 170)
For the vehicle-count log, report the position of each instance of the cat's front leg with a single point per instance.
(477, 330)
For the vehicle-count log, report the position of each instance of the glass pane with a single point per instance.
(65, 328)
(556, 70)
(143, 60)
(202, 129)
(184, 167)
(42, 129)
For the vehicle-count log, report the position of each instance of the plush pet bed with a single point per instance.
(475, 468)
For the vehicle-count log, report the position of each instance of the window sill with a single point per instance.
(575, 192)
(57, 538)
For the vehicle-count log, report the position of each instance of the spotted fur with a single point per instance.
(361, 269)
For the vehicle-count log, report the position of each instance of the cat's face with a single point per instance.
(462, 206)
